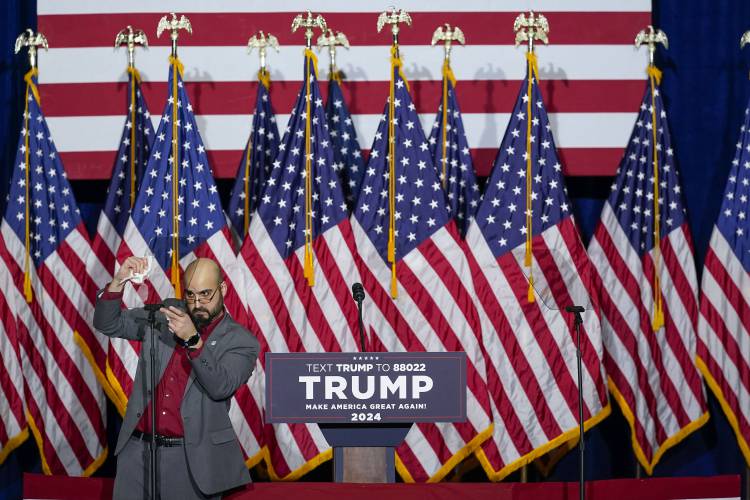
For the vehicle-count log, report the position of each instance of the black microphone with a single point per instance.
(358, 292)
(574, 309)
(176, 303)
(168, 302)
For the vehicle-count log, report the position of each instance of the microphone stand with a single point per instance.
(361, 326)
(577, 322)
(152, 308)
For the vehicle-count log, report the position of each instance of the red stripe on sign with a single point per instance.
(362, 97)
(97, 165)
(96, 30)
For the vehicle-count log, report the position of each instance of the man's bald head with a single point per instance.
(202, 273)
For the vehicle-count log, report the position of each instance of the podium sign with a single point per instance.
(366, 388)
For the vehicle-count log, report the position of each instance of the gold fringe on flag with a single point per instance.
(309, 271)
(177, 69)
(30, 88)
(657, 322)
(135, 78)
(395, 65)
(527, 261)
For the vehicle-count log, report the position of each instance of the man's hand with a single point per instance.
(131, 266)
(180, 324)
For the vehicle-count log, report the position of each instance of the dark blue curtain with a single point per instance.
(705, 88)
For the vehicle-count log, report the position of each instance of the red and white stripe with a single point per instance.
(591, 113)
(724, 335)
(13, 428)
(291, 316)
(64, 397)
(652, 375)
(122, 355)
(530, 347)
(435, 311)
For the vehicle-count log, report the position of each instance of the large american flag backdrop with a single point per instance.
(591, 109)
(592, 74)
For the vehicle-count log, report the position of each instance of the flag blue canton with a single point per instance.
(347, 155)
(53, 212)
(264, 142)
(632, 197)
(421, 208)
(282, 206)
(461, 187)
(117, 204)
(502, 212)
(200, 214)
(733, 218)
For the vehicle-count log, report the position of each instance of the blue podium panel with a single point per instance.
(366, 388)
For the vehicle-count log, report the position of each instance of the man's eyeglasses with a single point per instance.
(204, 296)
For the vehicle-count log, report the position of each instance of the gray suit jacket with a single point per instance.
(223, 366)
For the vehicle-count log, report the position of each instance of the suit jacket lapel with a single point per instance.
(212, 340)
(166, 348)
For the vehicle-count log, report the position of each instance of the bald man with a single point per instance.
(203, 357)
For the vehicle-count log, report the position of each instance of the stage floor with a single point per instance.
(41, 487)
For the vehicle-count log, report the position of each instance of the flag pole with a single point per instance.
(308, 22)
(528, 29)
(174, 26)
(31, 40)
(331, 39)
(651, 37)
(447, 35)
(394, 18)
(131, 38)
(261, 41)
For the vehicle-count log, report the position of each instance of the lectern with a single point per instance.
(365, 402)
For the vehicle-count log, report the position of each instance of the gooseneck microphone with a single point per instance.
(358, 292)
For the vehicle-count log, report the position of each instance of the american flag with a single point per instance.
(255, 166)
(201, 230)
(44, 247)
(592, 111)
(452, 157)
(434, 309)
(530, 346)
(723, 338)
(292, 315)
(127, 172)
(13, 428)
(650, 365)
(347, 154)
